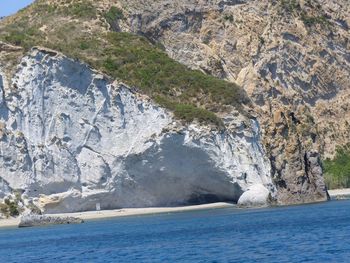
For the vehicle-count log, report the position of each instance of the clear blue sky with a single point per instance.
(9, 7)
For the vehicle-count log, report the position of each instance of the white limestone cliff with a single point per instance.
(71, 138)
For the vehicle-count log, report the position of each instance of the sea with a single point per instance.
(305, 233)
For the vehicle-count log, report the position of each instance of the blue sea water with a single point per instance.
(309, 233)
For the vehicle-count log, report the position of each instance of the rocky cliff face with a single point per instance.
(292, 58)
(71, 138)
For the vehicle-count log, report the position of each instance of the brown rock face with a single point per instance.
(292, 58)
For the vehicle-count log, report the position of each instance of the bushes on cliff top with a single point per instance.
(134, 59)
(189, 112)
(337, 170)
(125, 56)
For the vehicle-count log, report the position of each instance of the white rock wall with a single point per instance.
(71, 138)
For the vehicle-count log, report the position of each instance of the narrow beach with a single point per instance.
(335, 194)
(103, 214)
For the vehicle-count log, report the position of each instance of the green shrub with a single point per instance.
(113, 16)
(337, 170)
(9, 208)
(189, 112)
(20, 34)
(4, 210)
(81, 10)
(290, 6)
(114, 13)
(313, 20)
(42, 8)
(13, 209)
(84, 45)
(261, 40)
(229, 18)
(15, 38)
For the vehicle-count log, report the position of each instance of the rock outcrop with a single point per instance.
(72, 138)
(292, 58)
(42, 220)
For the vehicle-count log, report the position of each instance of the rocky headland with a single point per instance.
(115, 104)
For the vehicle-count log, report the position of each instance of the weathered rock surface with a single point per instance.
(292, 58)
(71, 138)
(43, 220)
(257, 195)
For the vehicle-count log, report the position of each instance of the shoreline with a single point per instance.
(124, 212)
(335, 194)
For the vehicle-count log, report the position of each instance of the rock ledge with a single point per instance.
(42, 220)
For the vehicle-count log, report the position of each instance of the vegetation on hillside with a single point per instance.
(310, 14)
(337, 170)
(81, 31)
(10, 207)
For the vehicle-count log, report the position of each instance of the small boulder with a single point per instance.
(256, 196)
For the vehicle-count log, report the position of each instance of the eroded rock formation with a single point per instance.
(292, 58)
(71, 138)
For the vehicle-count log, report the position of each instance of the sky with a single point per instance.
(9, 7)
